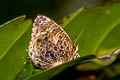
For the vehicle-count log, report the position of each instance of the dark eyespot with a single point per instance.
(47, 56)
(43, 52)
(41, 17)
(61, 47)
(38, 40)
(60, 37)
(39, 22)
(44, 19)
(52, 55)
(59, 41)
(61, 51)
(48, 52)
(74, 48)
(56, 55)
(67, 48)
(47, 46)
(65, 43)
(66, 52)
(55, 48)
(36, 24)
(46, 43)
(46, 38)
(31, 53)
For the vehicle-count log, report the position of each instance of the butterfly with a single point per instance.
(50, 45)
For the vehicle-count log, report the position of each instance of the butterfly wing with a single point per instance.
(50, 45)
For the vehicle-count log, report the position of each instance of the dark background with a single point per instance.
(55, 9)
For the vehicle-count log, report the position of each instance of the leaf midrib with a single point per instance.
(104, 36)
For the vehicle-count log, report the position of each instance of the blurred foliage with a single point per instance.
(55, 9)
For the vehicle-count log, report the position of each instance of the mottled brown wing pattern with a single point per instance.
(50, 45)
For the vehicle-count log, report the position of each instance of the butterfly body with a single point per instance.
(50, 45)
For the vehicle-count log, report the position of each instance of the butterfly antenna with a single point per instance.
(78, 36)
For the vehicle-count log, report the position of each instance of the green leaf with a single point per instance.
(101, 61)
(68, 19)
(107, 59)
(47, 74)
(26, 72)
(15, 37)
(99, 25)
(96, 24)
(6, 33)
